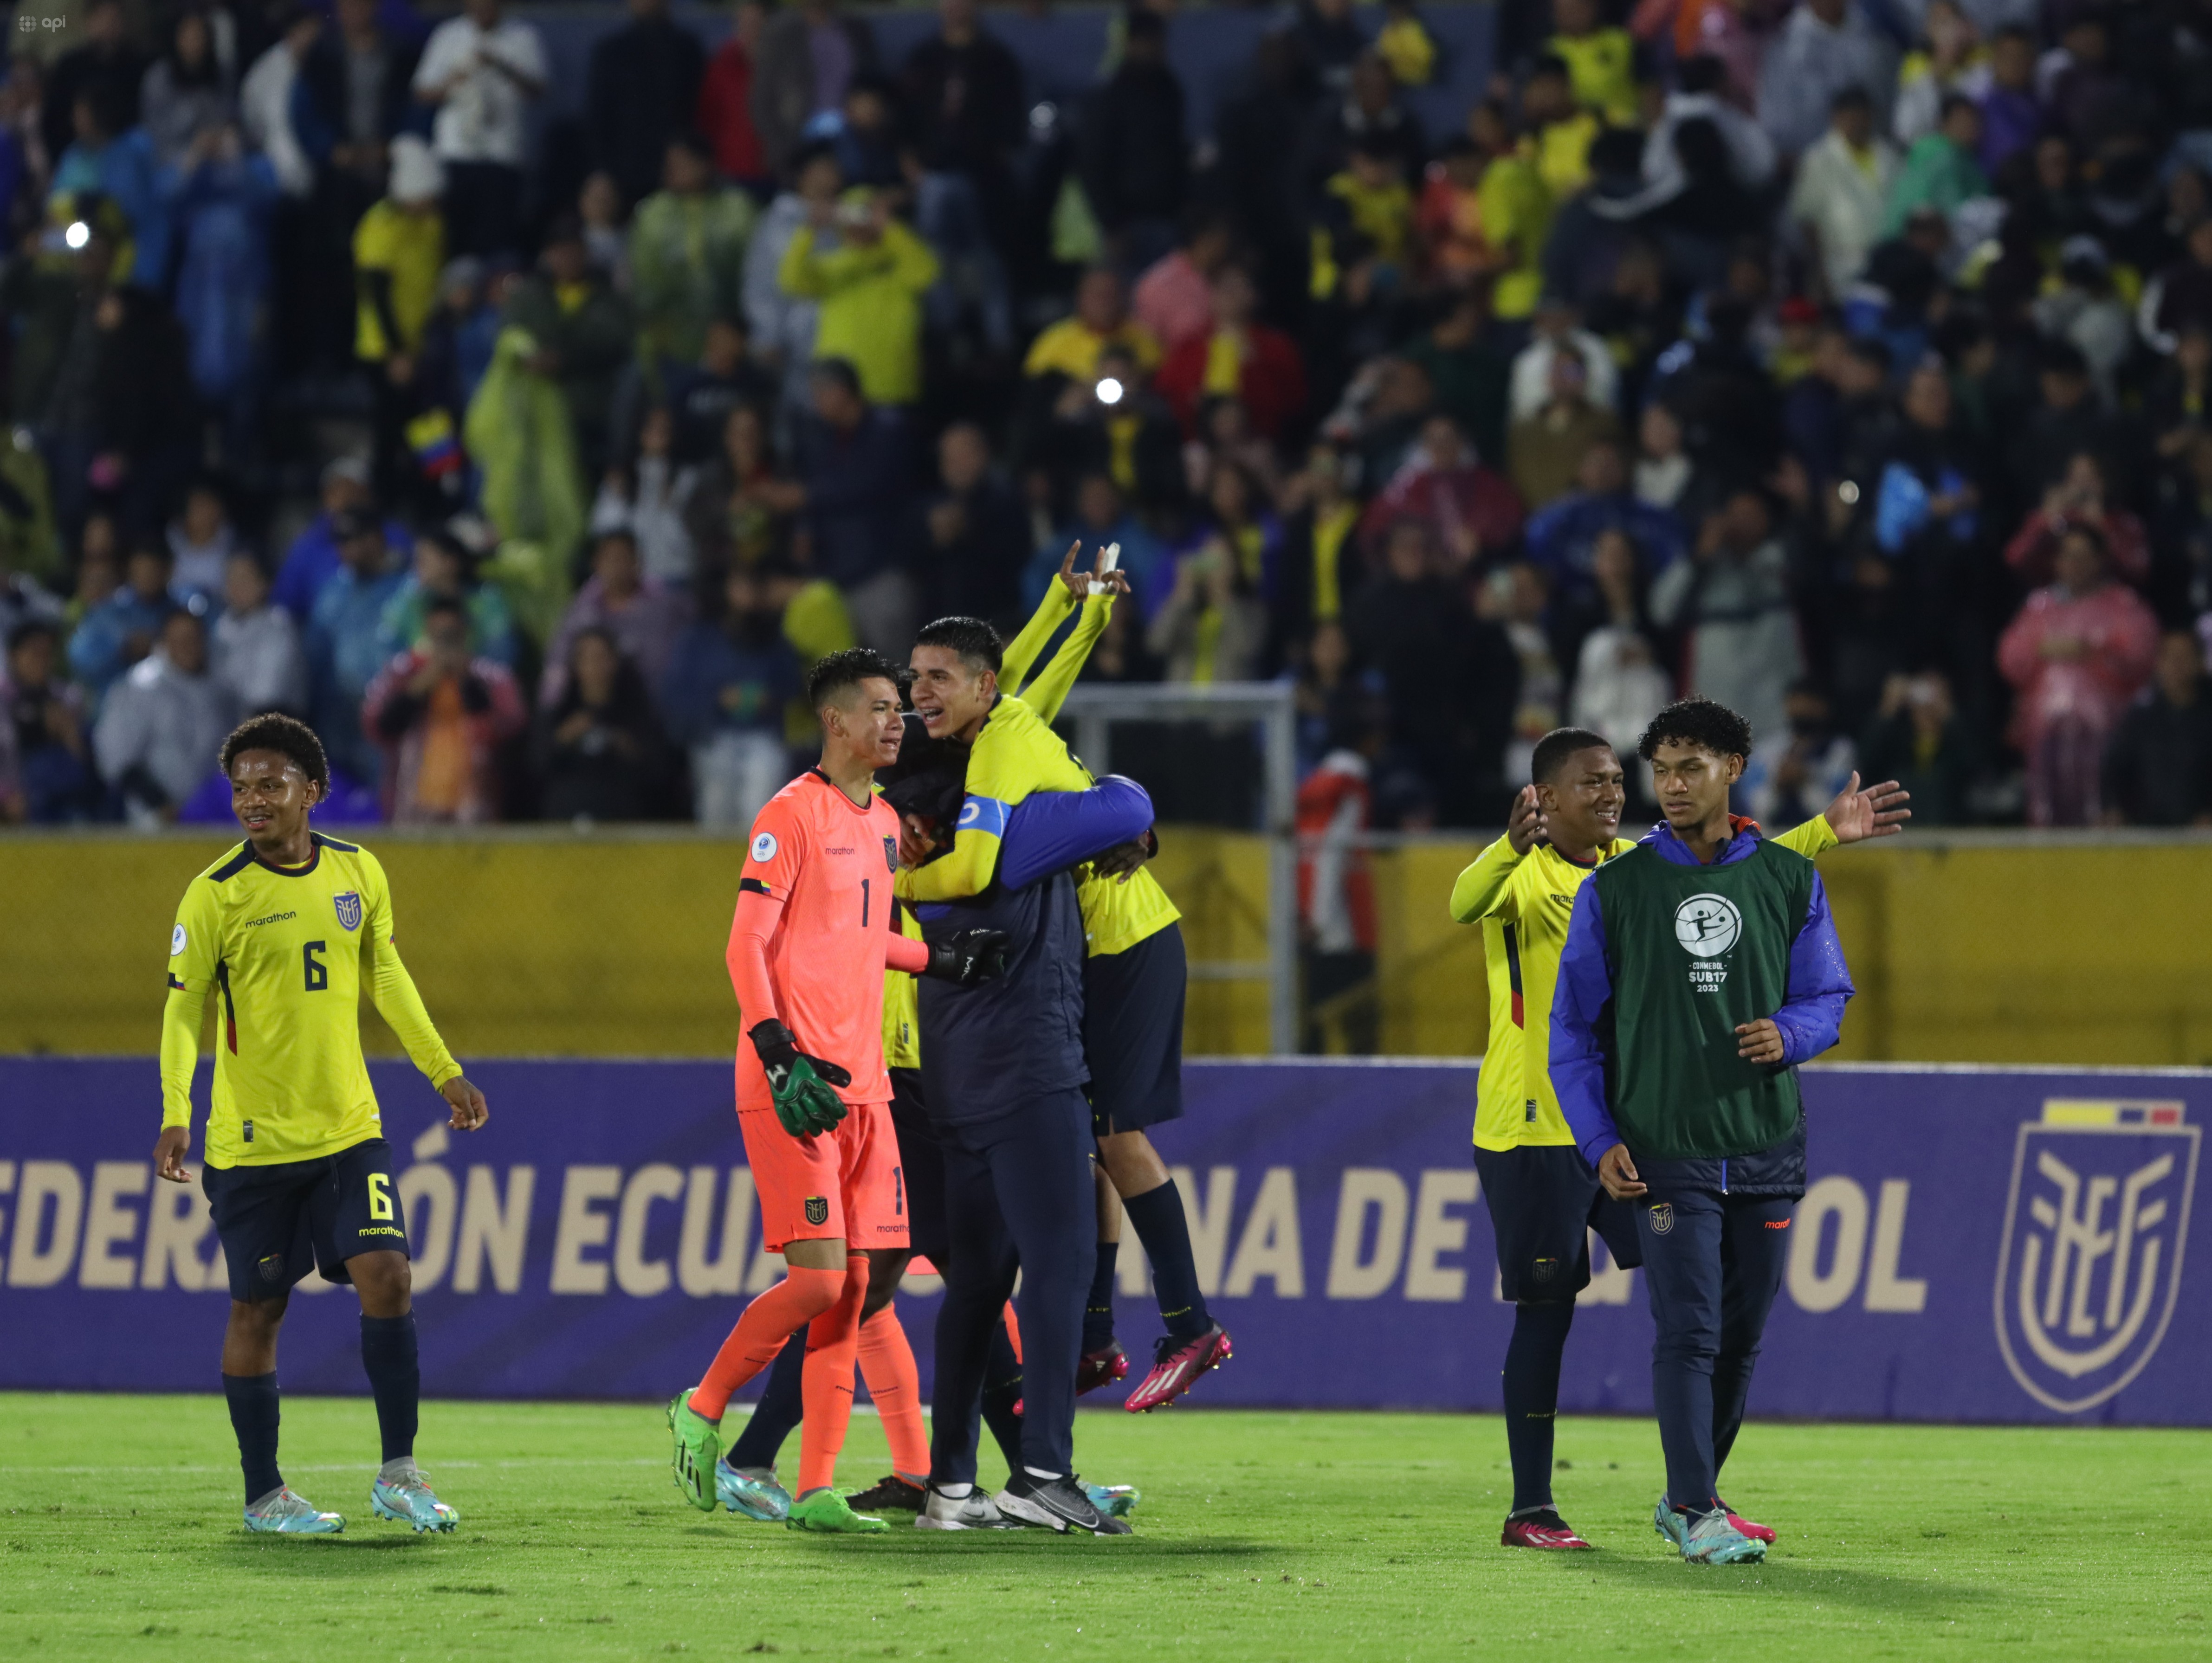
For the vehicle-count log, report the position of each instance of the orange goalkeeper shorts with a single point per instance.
(843, 1185)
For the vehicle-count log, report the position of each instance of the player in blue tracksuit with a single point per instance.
(1700, 969)
(1003, 1081)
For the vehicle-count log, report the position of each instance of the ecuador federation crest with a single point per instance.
(817, 1209)
(348, 903)
(2090, 1269)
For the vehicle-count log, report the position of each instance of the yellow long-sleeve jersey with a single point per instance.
(1017, 755)
(1524, 903)
(285, 949)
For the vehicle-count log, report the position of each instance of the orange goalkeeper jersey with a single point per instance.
(828, 861)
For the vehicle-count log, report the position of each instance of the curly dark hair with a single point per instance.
(833, 674)
(288, 737)
(1699, 722)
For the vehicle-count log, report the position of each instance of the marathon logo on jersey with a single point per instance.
(817, 1209)
(2089, 1271)
(1707, 925)
(348, 903)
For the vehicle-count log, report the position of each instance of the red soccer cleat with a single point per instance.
(1758, 1533)
(1101, 1367)
(1545, 1529)
(1177, 1366)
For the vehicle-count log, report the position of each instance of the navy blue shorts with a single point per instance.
(921, 1162)
(1543, 1200)
(1133, 1033)
(278, 1223)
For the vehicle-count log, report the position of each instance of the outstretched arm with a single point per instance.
(1056, 829)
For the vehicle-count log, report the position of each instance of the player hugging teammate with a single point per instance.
(1050, 1038)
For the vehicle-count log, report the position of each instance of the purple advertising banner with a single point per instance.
(1976, 1244)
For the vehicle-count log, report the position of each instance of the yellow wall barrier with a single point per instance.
(1972, 948)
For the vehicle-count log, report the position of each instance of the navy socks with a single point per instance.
(395, 1379)
(1156, 1215)
(1098, 1309)
(1532, 1397)
(1002, 1390)
(253, 1415)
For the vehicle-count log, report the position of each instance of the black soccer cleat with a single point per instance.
(888, 1494)
(1056, 1504)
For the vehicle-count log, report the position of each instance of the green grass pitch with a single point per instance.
(1261, 1536)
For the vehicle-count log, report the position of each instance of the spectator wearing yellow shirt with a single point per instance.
(1514, 206)
(1601, 60)
(1558, 131)
(1405, 44)
(1370, 198)
(398, 249)
(1100, 319)
(869, 289)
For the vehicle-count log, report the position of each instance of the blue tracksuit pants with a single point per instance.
(1712, 1264)
(1018, 1196)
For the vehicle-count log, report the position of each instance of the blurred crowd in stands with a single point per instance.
(1848, 361)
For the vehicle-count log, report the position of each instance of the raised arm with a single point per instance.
(1050, 689)
(1484, 890)
(1021, 652)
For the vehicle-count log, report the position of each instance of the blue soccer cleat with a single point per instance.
(1706, 1538)
(1114, 1501)
(280, 1513)
(403, 1495)
(751, 1491)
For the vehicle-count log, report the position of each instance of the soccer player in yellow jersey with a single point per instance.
(298, 1175)
(1543, 1198)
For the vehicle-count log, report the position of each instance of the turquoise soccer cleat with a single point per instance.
(698, 1445)
(403, 1495)
(751, 1491)
(280, 1513)
(1114, 1501)
(1706, 1538)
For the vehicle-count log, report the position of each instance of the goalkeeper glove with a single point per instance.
(799, 1084)
(971, 958)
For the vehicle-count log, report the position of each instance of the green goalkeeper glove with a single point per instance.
(800, 1084)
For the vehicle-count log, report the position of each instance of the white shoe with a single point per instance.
(974, 1511)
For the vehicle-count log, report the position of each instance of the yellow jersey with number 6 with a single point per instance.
(283, 950)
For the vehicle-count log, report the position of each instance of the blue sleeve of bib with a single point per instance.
(1053, 830)
(1812, 1014)
(1578, 1002)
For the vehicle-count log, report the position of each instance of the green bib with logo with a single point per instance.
(1695, 950)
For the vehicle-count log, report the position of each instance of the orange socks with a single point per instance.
(767, 1322)
(887, 1364)
(826, 1385)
